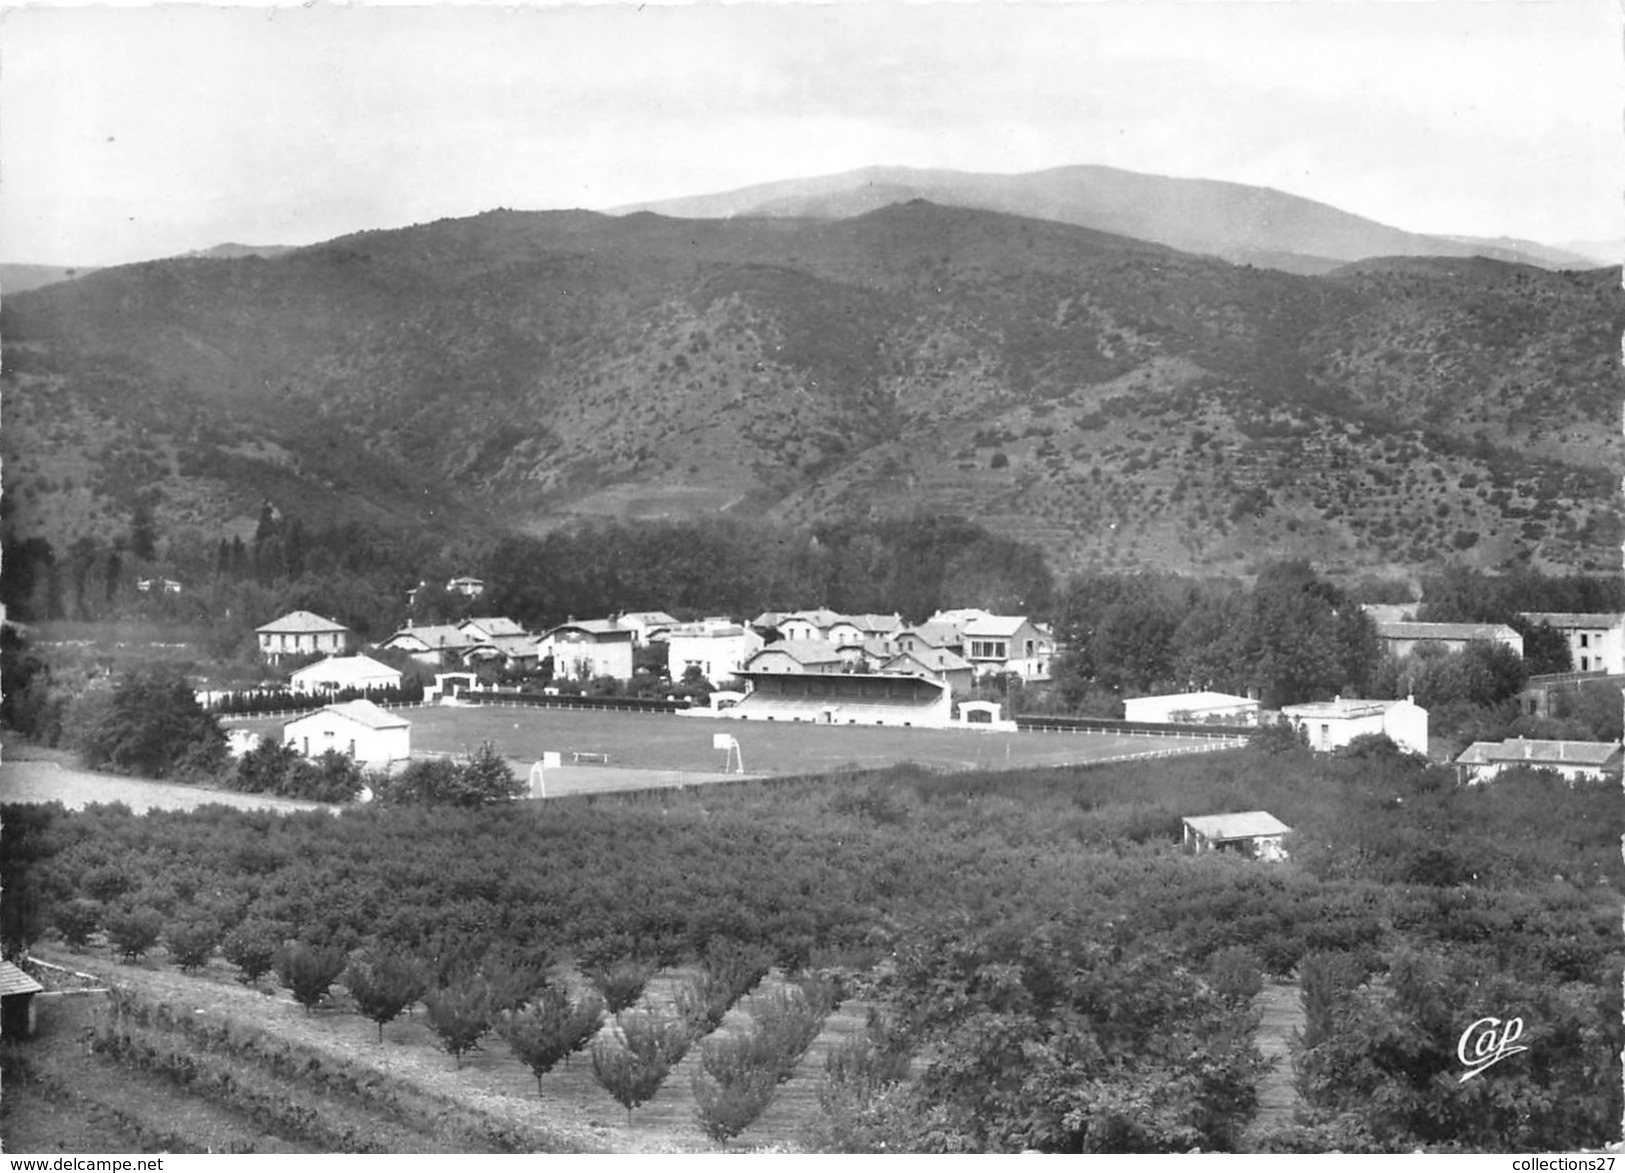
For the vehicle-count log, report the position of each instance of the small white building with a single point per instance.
(358, 729)
(439, 645)
(1202, 708)
(1596, 640)
(808, 625)
(1257, 834)
(337, 673)
(1574, 760)
(1332, 724)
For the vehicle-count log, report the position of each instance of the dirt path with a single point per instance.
(49, 781)
(1282, 1011)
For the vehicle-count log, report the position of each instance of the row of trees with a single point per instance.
(1292, 637)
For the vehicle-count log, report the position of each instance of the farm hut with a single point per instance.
(360, 729)
(1252, 833)
(17, 992)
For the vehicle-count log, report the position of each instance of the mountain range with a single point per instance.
(1116, 401)
(1239, 222)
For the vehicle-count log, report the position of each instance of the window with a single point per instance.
(1585, 640)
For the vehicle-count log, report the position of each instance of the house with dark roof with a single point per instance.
(795, 655)
(1574, 760)
(935, 664)
(439, 645)
(302, 633)
(1256, 834)
(1401, 639)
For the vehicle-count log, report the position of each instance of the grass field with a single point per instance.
(663, 743)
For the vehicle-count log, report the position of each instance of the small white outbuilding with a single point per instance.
(358, 729)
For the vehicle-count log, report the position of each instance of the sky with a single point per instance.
(128, 133)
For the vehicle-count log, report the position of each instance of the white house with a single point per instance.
(1008, 643)
(1215, 708)
(1333, 724)
(1258, 834)
(585, 648)
(302, 633)
(466, 585)
(1596, 640)
(489, 627)
(340, 672)
(358, 729)
(718, 648)
(1574, 760)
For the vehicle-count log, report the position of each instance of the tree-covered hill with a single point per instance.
(1114, 401)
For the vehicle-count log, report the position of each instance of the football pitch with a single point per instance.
(619, 751)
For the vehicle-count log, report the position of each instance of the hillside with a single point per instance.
(1239, 222)
(1117, 401)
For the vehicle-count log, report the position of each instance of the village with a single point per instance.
(823, 668)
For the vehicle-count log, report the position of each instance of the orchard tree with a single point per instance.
(550, 1029)
(252, 947)
(308, 971)
(133, 931)
(383, 985)
(460, 1015)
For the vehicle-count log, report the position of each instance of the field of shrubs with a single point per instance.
(1038, 963)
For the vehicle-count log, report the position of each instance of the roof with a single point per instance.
(931, 659)
(1343, 707)
(15, 981)
(301, 622)
(936, 634)
(362, 712)
(351, 664)
(1242, 825)
(599, 627)
(434, 636)
(1197, 700)
(1466, 631)
(995, 625)
(706, 630)
(1574, 618)
(648, 618)
(803, 651)
(822, 618)
(1542, 753)
(494, 625)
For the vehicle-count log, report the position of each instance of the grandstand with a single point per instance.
(839, 698)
